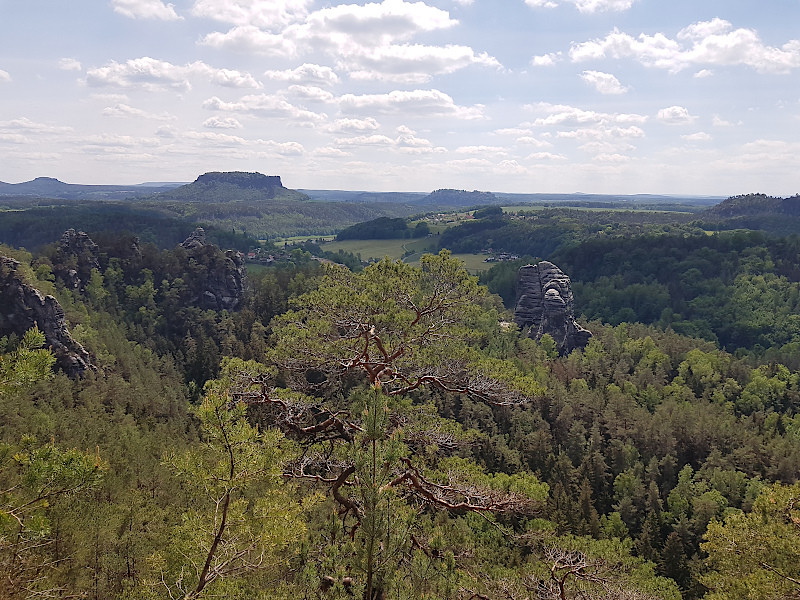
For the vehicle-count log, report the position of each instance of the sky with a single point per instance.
(698, 97)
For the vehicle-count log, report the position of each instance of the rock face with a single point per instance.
(22, 307)
(545, 305)
(77, 256)
(197, 239)
(252, 181)
(226, 274)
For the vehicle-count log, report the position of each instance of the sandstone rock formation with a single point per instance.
(545, 306)
(77, 256)
(226, 274)
(253, 181)
(197, 239)
(22, 307)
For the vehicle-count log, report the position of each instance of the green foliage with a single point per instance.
(33, 479)
(382, 228)
(754, 555)
(25, 362)
(249, 522)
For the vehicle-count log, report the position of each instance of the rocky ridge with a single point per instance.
(24, 307)
(545, 306)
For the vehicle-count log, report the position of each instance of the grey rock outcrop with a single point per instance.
(77, 256)
(197, 239)
(22, 307)
(545, 306)
(224, 289)
(224, 285)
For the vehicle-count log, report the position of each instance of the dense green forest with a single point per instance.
(32, 222)
(386, 433)
(383, 228)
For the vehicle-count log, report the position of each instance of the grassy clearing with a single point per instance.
(380, 248)
(472, 262)
(395, 249)
(514, 209)
(305, 238)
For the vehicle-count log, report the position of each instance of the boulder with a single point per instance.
(545, 306)
(22, 307)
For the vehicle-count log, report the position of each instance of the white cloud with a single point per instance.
(605, 147)
(704, 29)
(465, 2)
(306, 73)
(521, 130)
(258, 13)
(369, 41)
(25, 124)
(310, 93)
(560, 114)
(703, 73)
(330, 152)
(546, 156)
(222, 123)
(605, 83)
(153, 74)
(267, 106)
(602, 132)
(221, 139)
(108, 144)
(675, 115)
(704, 43)
(612, 158)
(13, 138)
(527, 140)
(482, 150)
(282, 148)
(585, 6)
(123, 111)
(4, 76)
(406, 142)
(145, 9)
(546, 60)
(353, 125)
(717, 121)
(110, 97)
(237, 79)
(366, 140)
(167, 131)
(412, 63)
(431, 103)
(700, 136)
(69, 64)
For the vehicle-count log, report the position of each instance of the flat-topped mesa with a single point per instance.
(25, 307)
(250, 181)
(545, 306)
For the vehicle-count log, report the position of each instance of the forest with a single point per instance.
(386, 432)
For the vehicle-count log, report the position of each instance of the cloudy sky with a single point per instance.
(606, 96)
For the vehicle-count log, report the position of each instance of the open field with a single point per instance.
(534, 208)
(472, 262)
(397, 249)
(304, 238)
(381, 248)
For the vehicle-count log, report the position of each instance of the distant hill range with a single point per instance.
(48, 187)
(232, 186)
(755, 204)
(780, 216)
